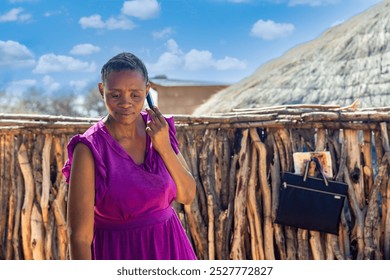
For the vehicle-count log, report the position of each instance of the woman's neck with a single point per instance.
(120, 131)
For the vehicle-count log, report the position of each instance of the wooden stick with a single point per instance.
(223, 157)
(286, 143)
(19, 198)
(48, 118)
(379, 152)
(37, 230)
(281, 152)
(3, 197)
(372, 220)
(36, 163)
(329, 255)
(254, 218)
(354, 164)
(206, 166)
(229, 231)
(196, 221)
(273, 108)
(385, 137)
(28, 201)
(344, 239)
(238, 249)
(221, 235)
(48, 246)
(211, 244)
(303, 244)
(266, 196)
(62, 229)
(207, 163)
(275, 177)
(46, 183)
(386, 228)
(368, 171)
(358, 214)
(12, 196)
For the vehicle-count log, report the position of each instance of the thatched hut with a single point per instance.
(349, 61)
(237, 157)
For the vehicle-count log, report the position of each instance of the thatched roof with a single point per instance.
(347, 62)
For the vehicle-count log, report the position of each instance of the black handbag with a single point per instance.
(309, 202)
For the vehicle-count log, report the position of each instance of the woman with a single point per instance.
(124, 172)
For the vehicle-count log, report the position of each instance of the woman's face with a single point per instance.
(124, 94)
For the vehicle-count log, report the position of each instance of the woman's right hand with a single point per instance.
(158, 130)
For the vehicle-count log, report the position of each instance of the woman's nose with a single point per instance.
(126, 100)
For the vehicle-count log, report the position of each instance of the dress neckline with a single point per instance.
(118, 147)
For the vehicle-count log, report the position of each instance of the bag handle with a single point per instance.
(319, 168)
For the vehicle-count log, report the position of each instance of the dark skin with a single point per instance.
(124, 93)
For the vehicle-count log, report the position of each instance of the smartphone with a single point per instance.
(150, 100)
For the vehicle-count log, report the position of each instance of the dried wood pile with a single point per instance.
(236, 159)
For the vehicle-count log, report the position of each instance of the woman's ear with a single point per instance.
(101, 88)
(148, 87)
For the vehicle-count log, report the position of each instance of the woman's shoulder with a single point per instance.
(90, 137)
(94, 130)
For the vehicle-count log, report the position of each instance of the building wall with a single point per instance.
(183, 99)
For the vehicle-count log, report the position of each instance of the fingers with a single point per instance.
(156, 115)
(150, 127)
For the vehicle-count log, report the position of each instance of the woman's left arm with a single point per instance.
(158, 130)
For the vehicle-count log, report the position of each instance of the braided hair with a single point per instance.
(124, 61)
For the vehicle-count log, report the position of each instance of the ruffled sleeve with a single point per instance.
(100, 169)
(172, 134)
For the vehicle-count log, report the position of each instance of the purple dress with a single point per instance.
(133, 217)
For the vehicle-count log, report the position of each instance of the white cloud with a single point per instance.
(79, 86)
(15, 14)
(173, 47)
(49, 63)
(17, 88)
(119, 23)
(194, 60)
(269, 30)
(15, 54)
(52, 13)
(143, 9)
(166, 32)
(95, 21)
(84, 49)
(50, 85)
(312, 2)
(167, 61)
(229, 63)
(197, 60)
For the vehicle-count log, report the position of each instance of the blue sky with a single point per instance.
(60, 46)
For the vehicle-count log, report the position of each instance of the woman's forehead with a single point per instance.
(125, 79)
(125, 75)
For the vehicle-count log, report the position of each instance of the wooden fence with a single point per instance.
(236, 159)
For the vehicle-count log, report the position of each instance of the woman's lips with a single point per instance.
(125, 113)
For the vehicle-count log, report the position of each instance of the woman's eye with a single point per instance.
(136, 95)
